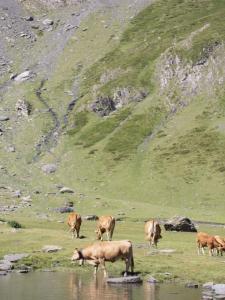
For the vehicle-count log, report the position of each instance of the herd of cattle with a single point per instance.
(100, 252)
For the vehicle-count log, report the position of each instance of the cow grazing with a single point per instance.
(74, 222)
(105, 224)
(221, 243)
(152, 232)
(100, 252)
(212, 242)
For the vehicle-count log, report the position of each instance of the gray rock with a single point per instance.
(23, 108)
(49, 168)
(27, 198)
(69, 204)
(69, 27)
(29, 18)
(219, 289)
(35, 26)
(47, 22)
(103, 106)
(23, 76)
(90, 217)
(180, 224)
(3, 273)
(51, 248)
(65, 189)
(65, 209)
(11, 149)
(128, 279)
(151, 279)
(15, 257)
(5, 265)
(207, 285)
(16, 194)
(4, 118)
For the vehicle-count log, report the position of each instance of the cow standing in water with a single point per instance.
(152, 232)
(100, 252)
(105, 224)
(74, 222)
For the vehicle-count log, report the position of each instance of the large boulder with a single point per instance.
(219, 289)
(23, 76)
(180, 224)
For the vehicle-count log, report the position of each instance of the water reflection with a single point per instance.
(75, 286)
(97, 288)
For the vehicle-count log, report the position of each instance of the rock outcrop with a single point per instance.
(180, 224)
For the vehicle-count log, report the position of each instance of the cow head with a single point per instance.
(77, 255)
(98, 233)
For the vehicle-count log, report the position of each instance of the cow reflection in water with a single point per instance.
(96, 288)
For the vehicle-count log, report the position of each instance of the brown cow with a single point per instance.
(105, 224)
(221, 242)
(74, 222)
(100, 252)
(152, 232)
(212, 242)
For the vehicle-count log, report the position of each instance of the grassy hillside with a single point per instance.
(166, 150)
(164, 146)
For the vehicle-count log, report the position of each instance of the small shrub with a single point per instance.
(14, 224)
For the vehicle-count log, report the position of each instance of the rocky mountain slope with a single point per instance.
(122, 101)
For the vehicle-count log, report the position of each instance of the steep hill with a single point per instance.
(126, 100)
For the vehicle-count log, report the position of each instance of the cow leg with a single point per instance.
(77, 231)
(127, 267)
(95, 269)
(203, 250)
(102, 262)
(73, 233)
(210, 251)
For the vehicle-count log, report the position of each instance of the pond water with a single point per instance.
(73, 286)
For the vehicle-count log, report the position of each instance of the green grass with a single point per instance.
(102, 128)
(132, 133)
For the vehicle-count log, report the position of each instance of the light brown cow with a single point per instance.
(105, 224)
(221, 242)
(74, 222)
(213, 243)
(152, 232)
(100, 252)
